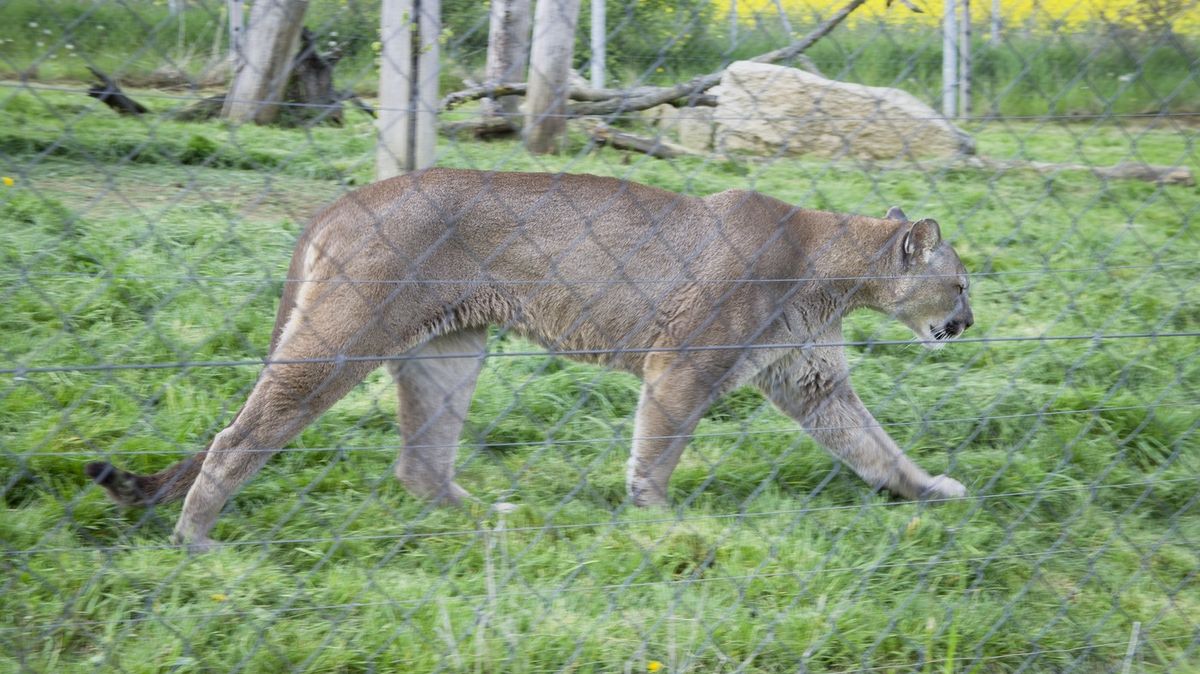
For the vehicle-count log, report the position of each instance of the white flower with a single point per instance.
(33, 24)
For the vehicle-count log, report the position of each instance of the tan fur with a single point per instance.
(689, 293)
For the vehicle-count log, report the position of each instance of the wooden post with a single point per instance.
(964, 60)
(408, 86)
(508, 54)
(599, 43)
(950, 60)
(549, 64)
(269, 47)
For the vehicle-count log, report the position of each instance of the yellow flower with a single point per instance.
(912, 527)
(218, 596)
(8, 182)
(654, 666)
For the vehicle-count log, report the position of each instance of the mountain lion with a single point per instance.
(697, 296)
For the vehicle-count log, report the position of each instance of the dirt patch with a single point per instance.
(100, 191)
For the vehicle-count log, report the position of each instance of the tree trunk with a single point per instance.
(312, 83)
(549, 65)
(508, 51)
(237, 32)
(270, 44)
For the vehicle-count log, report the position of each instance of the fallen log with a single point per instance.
(203, 109)
(1151, 173)
(597, 102)
(655, 147)
(585, 94)
(108, 93)
(482, 127)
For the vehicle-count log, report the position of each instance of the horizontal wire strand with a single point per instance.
(340, 359)
(1048, 271)
(152, 95)
(622, 439)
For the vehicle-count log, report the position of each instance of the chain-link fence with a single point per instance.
(146, 239)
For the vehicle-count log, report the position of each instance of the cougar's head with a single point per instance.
(928, 290)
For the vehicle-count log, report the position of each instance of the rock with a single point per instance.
(690, 127)
(695, 128)
(770, 110)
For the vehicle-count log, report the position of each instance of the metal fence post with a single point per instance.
(950, 59)
(599, 55)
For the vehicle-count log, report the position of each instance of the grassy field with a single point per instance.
(129, 241)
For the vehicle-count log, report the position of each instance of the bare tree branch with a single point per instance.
(691, 92)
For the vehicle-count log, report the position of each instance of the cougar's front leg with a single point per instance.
(675, 394)
(435, 393)
(816, 392)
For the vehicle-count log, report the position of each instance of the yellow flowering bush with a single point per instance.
(1061, 14)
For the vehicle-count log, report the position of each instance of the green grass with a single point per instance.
(129, 241)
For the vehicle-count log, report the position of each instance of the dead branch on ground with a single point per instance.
(608, 101)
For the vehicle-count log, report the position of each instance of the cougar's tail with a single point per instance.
(129, 489)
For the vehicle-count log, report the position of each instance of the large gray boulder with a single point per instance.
(771, 110)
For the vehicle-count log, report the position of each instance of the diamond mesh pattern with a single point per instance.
(144, 257)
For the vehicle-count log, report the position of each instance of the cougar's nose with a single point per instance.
(968, 320)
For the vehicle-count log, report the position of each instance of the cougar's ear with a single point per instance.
(894, 213)
(922, 237)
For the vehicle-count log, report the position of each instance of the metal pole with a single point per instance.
(949, 59)
(733, 25)
(964, 60)
(996, 19)
(599, 38)
(426, 100)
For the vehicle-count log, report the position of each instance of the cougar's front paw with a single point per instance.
(942, 487)
(196, 546)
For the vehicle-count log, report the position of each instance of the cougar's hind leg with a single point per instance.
(435, 392)
(303, 380)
